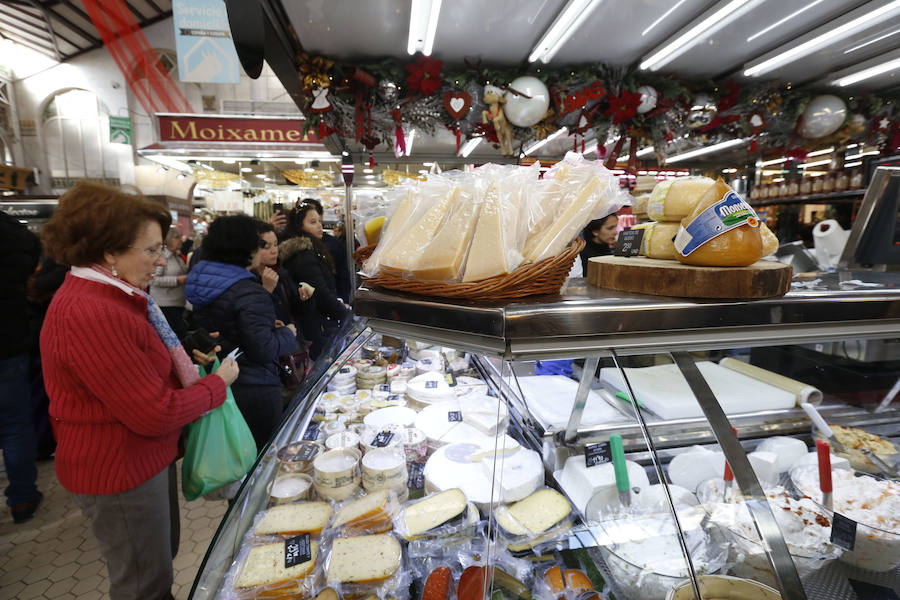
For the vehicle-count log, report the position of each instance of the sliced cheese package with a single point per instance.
(364, 565)
(446, 515)
(367, 514)
(260, 572)
(288, 520)
(537, 520)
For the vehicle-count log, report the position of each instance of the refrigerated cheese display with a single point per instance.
(582, 445)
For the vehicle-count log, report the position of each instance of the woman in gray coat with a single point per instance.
(167, 285)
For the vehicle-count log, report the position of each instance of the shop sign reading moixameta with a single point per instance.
(190, 128)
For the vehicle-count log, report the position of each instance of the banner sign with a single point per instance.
(241, 131)
(203, 42)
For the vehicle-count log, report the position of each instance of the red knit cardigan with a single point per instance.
(114, 398)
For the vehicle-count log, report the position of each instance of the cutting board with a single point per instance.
(664, 390)
(642, 275)
(550, 399)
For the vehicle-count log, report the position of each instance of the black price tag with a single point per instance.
(416, 476)
(383, 439)
(454, 415)
(870, 591)
(451, 379)
(629, 242)
(297, 551)
(430, 385)
(307, 452)
(344, 370)
(384, 388)
(597, 454)
(393, 398)
(843, 532)
(312, 433)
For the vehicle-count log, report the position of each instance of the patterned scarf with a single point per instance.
(184, 368)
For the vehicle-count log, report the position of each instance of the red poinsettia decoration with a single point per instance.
(624, 106)
(424, 75)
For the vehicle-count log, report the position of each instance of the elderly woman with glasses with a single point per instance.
(167, 285)
(121, 386)
(227, 297)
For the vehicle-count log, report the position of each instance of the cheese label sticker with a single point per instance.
(312, 432)
(383, 439)
(297, 550)
(345, 370)
(843, 532)
(454, 416)
(393, 398)
(416, 476)
(384, 387)
(451, 379)
(430, 385)
(597, 454)
(723, 216)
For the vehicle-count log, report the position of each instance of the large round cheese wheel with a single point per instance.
(428, 388)
(675, 199)
(435, 421)
(738, 247)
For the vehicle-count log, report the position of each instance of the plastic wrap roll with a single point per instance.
(803, 391)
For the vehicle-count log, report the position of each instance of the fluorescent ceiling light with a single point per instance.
(470, 144)
(423, 171)
(645, 151)
(853, 164)
(859, 19)
(705, 150)
(309, 170)
(861, 154)
(368, 171)
(821, 152)
(662, 18)
(771, 172)
(880, 67)
(774, 161)
(784, 20)
(546, 140)
(565, 24)
(423, 18)
(852, 146)
(816, 163)
(246, 169)
(729, 170)
(591, 147)
(778, 180)
(261, 176)
(711, 21)
(878, 39)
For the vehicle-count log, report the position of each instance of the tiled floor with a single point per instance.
(55, 556)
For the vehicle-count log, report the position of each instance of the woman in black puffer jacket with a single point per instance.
(228, 298)
(307, 259)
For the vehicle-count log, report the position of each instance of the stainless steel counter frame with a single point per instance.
(586, 320)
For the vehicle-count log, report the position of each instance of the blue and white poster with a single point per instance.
(203, 42)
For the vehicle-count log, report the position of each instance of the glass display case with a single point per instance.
(592, 444)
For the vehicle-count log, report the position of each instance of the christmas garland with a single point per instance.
(375, 103)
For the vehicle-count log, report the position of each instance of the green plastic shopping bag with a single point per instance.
(220, 449)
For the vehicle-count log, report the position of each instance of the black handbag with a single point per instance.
(293, 369)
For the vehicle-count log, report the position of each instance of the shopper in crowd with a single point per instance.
(167, 285)
(337, 247)
(121, 386)
(600, 238)
(20, 251)
(228, 298)
(293, 302)
(306, 258)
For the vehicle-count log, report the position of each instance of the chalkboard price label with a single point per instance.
(454, 416)
(597, 454)
(843, 532)
(629, 242)
(383, 439)
(297, 551)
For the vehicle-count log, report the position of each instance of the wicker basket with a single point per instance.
(543, 277)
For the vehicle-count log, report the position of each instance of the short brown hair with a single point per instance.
(93, 218)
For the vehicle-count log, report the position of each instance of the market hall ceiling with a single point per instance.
(62, 29)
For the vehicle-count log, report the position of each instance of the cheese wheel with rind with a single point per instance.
(658, 240)
(675, 199)
(738, 247)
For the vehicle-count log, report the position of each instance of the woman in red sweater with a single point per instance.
(121, 387)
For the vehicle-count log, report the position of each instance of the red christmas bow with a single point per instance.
(424, 75)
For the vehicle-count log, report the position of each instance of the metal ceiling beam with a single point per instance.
(137, 14)
(36, 4)
(12, 11)
(45, 50)
(26, 38)
(67, 23)
(99, 44)
(155, 6)
(23, 26)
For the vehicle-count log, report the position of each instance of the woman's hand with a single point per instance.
(205, 359)
(290, 326)
(269, 279)
(181, 279)
(305, 291)
(228, 371)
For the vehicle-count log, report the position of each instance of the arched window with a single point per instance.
(75, 131)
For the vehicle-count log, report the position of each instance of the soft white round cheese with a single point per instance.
(429, 387)
(696, 465)
(582, 483)
(787, 449)
(392, 415)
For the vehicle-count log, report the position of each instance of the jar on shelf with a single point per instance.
(842, 181)
(754, 193)
(818, 185)
(806, 186)
(783, 189)
(856, 179)
(828, 184)
(793, 188)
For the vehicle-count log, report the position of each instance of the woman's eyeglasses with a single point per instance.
(154, 253)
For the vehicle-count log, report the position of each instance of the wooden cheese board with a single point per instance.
(641, 275)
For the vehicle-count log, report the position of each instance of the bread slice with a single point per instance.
(265, 566)
(363, 559)
(294, 519)
(433, 511)
(367, 507)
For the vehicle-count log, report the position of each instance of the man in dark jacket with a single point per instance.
(228, 298)
(20, 251)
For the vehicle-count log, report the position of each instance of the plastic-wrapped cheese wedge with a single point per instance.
(265, 566)
(675, 199)
(566, 225)
(293, 519)
(363, 559)
(658, 240)
(490, 253)
(721, 231)
(404, 251)
(444, 256)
